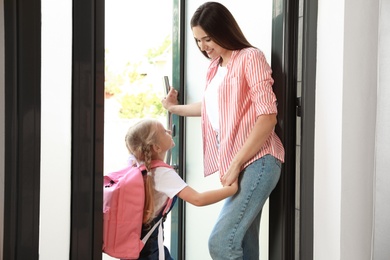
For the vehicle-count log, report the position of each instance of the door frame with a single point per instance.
(309, 67)
(284, 67)
(22, 25)
(87, 130)
(282, 229)
(177, 249)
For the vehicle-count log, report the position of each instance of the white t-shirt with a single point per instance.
(211, 98)
(167, 183)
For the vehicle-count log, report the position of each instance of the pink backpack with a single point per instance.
(123, 207)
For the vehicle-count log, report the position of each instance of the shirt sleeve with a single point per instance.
(167, 181)
(260, 81)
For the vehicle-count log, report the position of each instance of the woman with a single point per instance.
(238, 111)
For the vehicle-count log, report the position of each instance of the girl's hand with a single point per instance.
(235, 186)
(170, 100)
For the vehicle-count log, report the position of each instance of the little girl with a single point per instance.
(148, 140)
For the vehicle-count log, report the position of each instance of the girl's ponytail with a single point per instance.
(149, 187)
(139, 141)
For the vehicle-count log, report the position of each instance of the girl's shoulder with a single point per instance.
(163, 169)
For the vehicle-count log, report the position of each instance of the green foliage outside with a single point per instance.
(131, 72)
(156, 52)
(127, 84)
(141, 105)
(112, 82)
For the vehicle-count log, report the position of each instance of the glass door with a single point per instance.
(138, 54)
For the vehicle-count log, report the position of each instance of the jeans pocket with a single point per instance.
(278, 163)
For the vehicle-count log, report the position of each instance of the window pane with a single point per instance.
(137, 56)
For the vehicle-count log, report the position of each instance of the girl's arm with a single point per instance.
(208, 197)
(170, 103)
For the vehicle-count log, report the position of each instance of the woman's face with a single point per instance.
(206, 44)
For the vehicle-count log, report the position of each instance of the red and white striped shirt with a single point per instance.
(244, 94)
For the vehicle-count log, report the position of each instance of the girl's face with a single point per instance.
(206, 44)
(164, 138)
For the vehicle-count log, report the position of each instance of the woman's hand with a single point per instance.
(170, 100)
(171, 103)
(231, 175)
(259, 134)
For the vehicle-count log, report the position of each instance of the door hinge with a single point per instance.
(299, 106)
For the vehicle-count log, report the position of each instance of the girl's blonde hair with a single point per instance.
(140, 139)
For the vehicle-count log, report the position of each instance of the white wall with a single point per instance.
(2, 124)
(255, 20)
(345, 128)
(358, 128)
(381, 236)
(327, 180)
(56, 130)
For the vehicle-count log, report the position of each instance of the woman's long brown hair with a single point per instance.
(219, 24)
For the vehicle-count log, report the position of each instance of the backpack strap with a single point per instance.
(161, 251)
(160, 238)
(146, 237)
(159, 163)
(162, 215)
(154, 164)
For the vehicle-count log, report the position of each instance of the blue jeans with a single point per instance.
(236, 233)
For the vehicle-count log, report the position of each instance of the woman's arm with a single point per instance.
(208, 197)
(186, 110)
(262, 129)
(170, 103)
